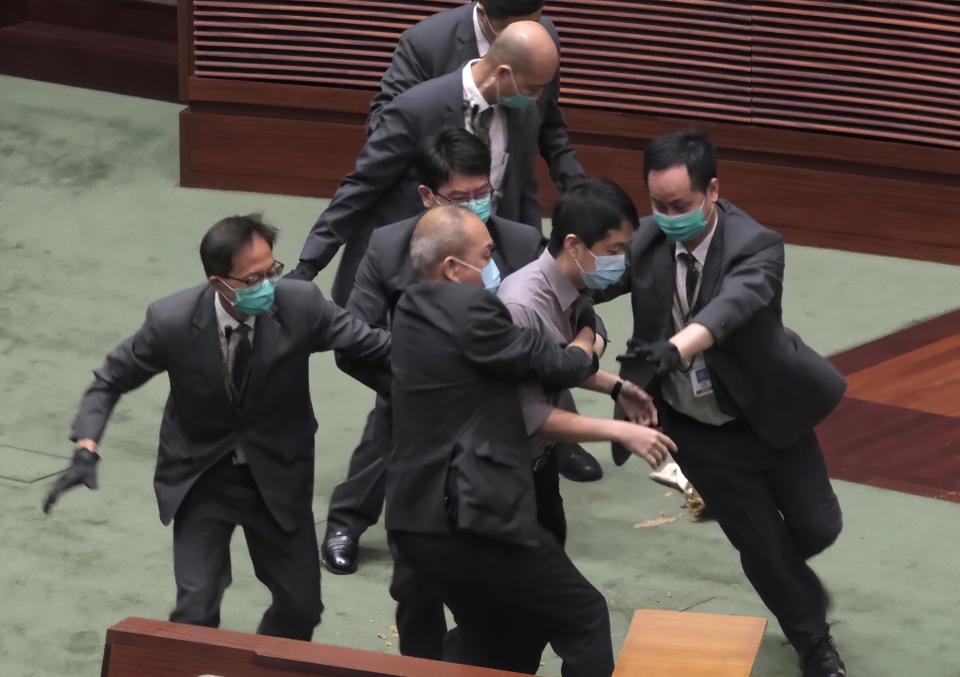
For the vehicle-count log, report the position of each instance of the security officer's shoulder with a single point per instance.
(741, 226)
(181, 305)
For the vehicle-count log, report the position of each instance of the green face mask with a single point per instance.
(518, 100)
(682, 227)
(482, 207)
(255, 301)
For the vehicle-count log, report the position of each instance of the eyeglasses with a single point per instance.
(254, 281)
(479, 195)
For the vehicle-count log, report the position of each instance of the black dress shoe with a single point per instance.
(823, 660)
(339, 552)
(575, 463)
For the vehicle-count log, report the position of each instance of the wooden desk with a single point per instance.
(684, 644)
(138, 647)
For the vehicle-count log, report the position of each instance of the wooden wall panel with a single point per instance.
(125, 46)
(837, 122)
(885, 70)
(241, 152)
(810, 206)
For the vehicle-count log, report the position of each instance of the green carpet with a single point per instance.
(93, 227)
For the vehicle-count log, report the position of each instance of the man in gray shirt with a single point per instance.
(593, 225)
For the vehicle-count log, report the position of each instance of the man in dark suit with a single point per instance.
(380, 191)
(460, 496)
(445, 41)
(237, 435)
(737, 392)
(454, 167)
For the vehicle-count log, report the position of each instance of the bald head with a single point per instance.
(522, 61)
(450, 243)
(529, 50)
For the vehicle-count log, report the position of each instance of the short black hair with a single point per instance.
(589, 210)
(451, 150)
(228, 236)
(689, 147)
(507, 9)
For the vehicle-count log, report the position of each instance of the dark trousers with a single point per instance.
(420, 620)
(288, 563)
(356, 503)
(777, 508)
(353, 251)
(509, 601)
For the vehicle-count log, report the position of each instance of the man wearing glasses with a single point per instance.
(237, 435)
(453, 168)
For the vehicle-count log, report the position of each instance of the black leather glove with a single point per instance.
(664, 355)
(305, 270)
(582, 314)
(82, 470)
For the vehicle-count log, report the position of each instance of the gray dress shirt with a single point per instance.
(539, 296)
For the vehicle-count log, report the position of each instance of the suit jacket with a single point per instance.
(386, 270)
(761, 370)
(445, 42)
(273, 422)
(459, 434)
(380, 191)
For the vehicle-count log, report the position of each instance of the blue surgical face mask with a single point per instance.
(609, 269)
(490, 274)
(683, 227)
(255, 301)
(518, 100)
(482, 207)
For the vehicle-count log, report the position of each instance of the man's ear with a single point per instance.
(570, 241)
(448, 269)
(426, 195)
(222, 288)
(713, 190)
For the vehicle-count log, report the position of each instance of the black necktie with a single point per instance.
(241, 356)
(693, 278)
(481, 121)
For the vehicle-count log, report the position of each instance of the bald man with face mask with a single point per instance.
(460, 507)
(445, 41)
(489, 98)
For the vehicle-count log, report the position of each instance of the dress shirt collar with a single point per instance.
(225, 319)
(483, 45)
(562, 288)
(471, 93)
(700, 253)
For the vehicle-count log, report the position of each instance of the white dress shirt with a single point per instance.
(498, 127)
(700, 254)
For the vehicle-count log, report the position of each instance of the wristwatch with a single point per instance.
(617, 387)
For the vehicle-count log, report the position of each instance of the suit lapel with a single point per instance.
(454, 115)
(711, 271)
(500, 248)
(206, 341)
(466, 48)
(664, 277)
